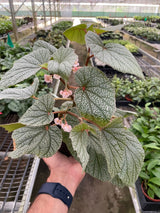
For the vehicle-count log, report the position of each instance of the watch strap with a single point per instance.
(57, 190)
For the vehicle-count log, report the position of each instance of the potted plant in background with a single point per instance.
(146, 127)
(87, 120)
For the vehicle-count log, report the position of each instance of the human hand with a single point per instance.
(65, 170)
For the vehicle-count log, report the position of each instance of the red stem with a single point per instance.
(79, 118)
(44, 68)
(88, 58)
(62, 81)
(92, 123)
(72, 87)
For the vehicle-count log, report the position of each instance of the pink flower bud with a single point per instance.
(56, 76)
(48, 78)
(66, 127)
(76, 64)
(57, 121)
(1, 113)
(65, 93)
(74, 69)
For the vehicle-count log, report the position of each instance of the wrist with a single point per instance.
(67, 181)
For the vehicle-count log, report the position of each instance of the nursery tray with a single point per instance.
(146, 205)
(16, 175)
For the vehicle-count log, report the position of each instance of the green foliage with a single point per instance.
(131, 47)
(9, 55)
(154, 19)
(111, 35)
(110, 21)
(146, 127)
(6, 24)
(62, 25)
(144, 32)
(78, 32)
(55, 35)
(95, 134)
(146, 90)
(12, 126)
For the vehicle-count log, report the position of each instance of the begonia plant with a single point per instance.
(87, 120)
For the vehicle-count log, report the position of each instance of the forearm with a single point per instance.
(65, 171)
(46, 204)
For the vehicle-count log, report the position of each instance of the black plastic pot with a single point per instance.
(123, 103)
(145, 203)
(137, 54)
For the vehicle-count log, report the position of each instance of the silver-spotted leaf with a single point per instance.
(97, 165)
(95, 97)
(43, 44)
(68, 143)
(25, 67)
(114, 55)
(40, 141)
(133, 160)
(79, 138)
(117, 181)
(66, 105)
(72, 120)
(20, 94)
(77, 33)
(63, 60)
(40, 113)
(122, 159)
(113, 138)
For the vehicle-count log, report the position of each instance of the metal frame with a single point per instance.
(17, 176)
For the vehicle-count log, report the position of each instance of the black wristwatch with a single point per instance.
(56, 190)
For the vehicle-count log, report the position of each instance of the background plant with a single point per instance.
(144, 32)
(146, 126)
(9, 55)
(55, 35)
(146, 90)
(87, 121)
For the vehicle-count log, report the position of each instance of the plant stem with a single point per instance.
(72, 87)
(79, 118)
(82, 118)
(44, 68)
(75, 115)
(92, 123)
(61, 112)
(34, 97)
(62, 81)
(88, 57)
(63, 99)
